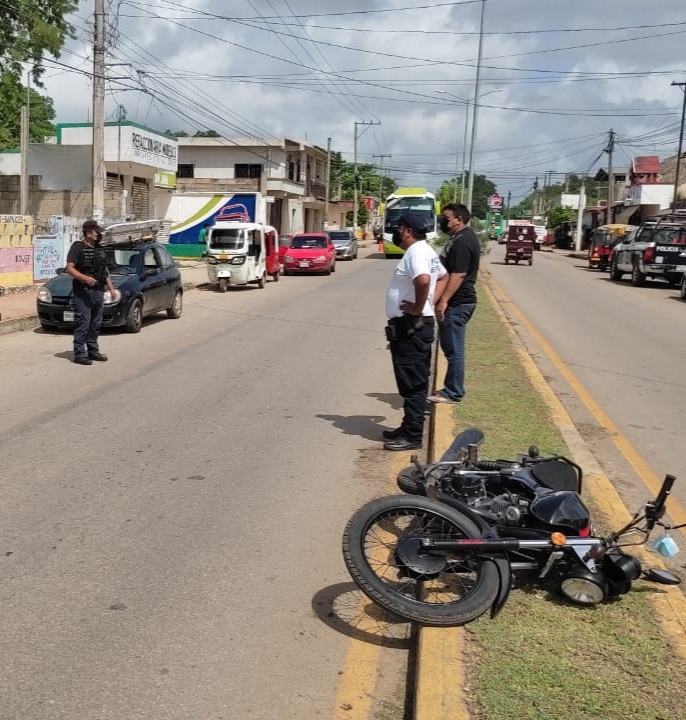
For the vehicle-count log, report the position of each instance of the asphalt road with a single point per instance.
(168, 518)
(626, 345)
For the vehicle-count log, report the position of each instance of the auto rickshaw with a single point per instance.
(602, 243)
(520, 243)
(239, 253)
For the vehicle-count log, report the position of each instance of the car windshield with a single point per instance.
(284, 240)
(123, 261)
(227, 239)
(301, 243)
(339, 237)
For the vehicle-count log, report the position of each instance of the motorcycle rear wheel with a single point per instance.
(380, 549)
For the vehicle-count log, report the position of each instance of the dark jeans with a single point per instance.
(412, 364)
(451, 335)
(88, 305)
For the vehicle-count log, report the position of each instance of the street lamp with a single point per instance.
(466, 102)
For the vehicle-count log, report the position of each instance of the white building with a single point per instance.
(140, 165)
(291, 174)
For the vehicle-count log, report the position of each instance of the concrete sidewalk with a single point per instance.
(18, 310)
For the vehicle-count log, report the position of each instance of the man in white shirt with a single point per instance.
(410, 330)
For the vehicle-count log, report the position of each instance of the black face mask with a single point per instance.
(397, 239)
(443, 222)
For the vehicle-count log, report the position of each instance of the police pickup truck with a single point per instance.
(655, 249)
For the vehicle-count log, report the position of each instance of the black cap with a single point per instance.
(91, 225)
(415, 222)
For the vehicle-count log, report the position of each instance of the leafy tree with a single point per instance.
(41, 113)
(483, 188)
(177, 133)
(369, 184)
(558, 216)
(30, 29)
(207, 134)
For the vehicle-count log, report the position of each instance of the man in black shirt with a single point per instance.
(457, 303)
(86, 263)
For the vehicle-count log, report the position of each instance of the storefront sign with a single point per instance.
(165, 179)
(153, 149)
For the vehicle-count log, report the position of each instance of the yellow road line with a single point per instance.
(355, 692)
(640, 466)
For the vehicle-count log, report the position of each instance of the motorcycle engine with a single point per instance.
(506, 509)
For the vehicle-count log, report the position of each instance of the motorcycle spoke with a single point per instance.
(457, 579)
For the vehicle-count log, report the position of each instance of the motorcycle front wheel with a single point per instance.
(383, 554)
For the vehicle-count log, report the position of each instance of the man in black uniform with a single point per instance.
(86, 263)
(456, 304)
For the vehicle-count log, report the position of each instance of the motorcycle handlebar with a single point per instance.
(662, 496)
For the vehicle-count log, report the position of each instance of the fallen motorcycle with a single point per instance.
(446, 558)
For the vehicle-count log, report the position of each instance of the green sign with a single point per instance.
(165, 179)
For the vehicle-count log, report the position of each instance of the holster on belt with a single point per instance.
(403, 327)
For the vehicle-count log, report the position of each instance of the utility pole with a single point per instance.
(464, 152)
(356, 180)
(24, 177)
(507, 207)
(682, 85)
(120, 179)
(99, 112)
(611, 177)
(566, 183)
(580, 215)
(536, 202)
(328, 183)
(475, 114)
(381, 157)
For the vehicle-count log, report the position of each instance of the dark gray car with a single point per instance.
(345, 243)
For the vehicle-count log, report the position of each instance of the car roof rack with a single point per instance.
(132, 232)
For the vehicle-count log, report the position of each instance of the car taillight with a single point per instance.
(649, 255)
(585, 532)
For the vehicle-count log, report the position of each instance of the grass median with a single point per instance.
(542, 658)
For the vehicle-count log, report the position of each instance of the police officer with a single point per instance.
(410, 330)
(86, 263)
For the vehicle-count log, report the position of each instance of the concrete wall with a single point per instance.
(219, 161)
(43, 203)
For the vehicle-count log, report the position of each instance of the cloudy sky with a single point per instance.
(556, 77)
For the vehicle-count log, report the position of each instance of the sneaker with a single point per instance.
(392, 434)
(401, 444)
(82, 360)
(97, 356)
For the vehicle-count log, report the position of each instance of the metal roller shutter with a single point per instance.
(113, 183)
(140, 198)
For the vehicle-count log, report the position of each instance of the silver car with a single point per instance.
(345, 243)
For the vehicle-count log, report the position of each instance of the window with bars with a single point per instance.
(247, 171)
(186, 171)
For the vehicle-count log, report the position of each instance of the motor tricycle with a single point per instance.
(603, 241)
(239, 253)
(519, 244)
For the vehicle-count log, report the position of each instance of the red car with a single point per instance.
(310, 252)
(284, 244)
